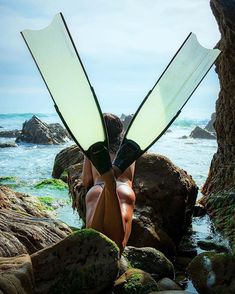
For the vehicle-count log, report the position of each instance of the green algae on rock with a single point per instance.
(52, 183)
(213, 273)
(84, 262)
(135, 281)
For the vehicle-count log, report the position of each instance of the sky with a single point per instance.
(125, 45)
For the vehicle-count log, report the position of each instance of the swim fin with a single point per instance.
(58, 61)
(164, 102)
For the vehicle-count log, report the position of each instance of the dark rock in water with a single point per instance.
(37, 132)
(150, 260)
(16, 275)
(7, 145)
(212, 245)
(199, 210)
(168, 284)
(199, 133)
(135, 281)
(213, 273)
(84, 262)
(210, 126)
(126, 119)
(10, 134)
(184, 137)
(65, 158)
(165, 198)
(24, 227)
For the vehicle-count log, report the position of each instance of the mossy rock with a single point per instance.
(9, 181)
(213, 273)
(52, 184)
(135, 281)
(84, 262)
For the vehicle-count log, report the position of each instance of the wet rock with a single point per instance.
(165, 200)
(199, 133)
(37, 132)
(168, 284)
(65, 158)
(150, 260)
(199, 210)
(135, 281)
(16, 275)
(220, 207)
(213, 273)
(84, 262)
(212, 245)
(210, 125)
(8, 145)
(10, 134)
(24, 226)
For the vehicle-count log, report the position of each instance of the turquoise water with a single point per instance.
(32, 163)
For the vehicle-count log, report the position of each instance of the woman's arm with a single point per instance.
(87, 176)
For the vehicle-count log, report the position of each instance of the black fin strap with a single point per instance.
(127, 154)
(99, 156)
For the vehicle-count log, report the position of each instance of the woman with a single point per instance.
(110, 199)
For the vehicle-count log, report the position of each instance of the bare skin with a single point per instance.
(109, 208)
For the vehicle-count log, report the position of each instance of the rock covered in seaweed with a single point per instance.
(24, 226)
(150, 260)
(213, 273)
(37, 132)
(84, 262)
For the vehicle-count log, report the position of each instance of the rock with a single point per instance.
(16, 275)
(199, 210)
(172, 292)
(150, 260)
(24, 226)
(65, 158)
(213, 273)
(212, 245)
(222, 170)
(10, 134)
(135, 281)
(164, 204)
(37, 132)
(220, 207)
(126, 119)
(210, 125)
(84, 262)
(168, 284)
(7, 145)
(199, 133)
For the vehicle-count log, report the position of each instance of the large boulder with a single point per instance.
(16, 275)
(165, 197)
(199, 133)
(210, 125)
(24, 226)
(38, 132)
(85, 262)
(213, 273)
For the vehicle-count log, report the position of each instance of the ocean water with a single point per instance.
(30, 163)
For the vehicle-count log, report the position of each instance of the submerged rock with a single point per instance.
(8, 145)
(10, 134)
(16, 275)
(199, 133)
(150, 260)
(24, 226)
(37, 132)
(135, 281)
(84, 262)
(213, 273)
